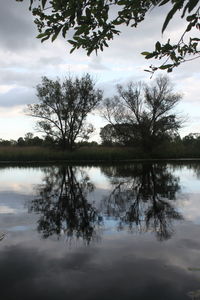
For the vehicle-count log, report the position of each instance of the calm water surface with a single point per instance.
(106, 232)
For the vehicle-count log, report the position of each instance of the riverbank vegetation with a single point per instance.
(25, 150)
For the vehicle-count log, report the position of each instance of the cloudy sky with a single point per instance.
(23, 60)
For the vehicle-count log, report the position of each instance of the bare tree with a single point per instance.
(147, 109)
(63, 108)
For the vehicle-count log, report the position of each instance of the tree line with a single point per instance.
(139, 115)
(187, 144)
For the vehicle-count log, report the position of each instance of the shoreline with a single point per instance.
(92, 161)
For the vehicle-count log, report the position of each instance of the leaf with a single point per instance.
(65, 28)
(145, 53)
(148, 71)
(158, 46)
(41, 35)
(189, 27)
(45, 38)
(57, 31)
(31, 3)
(163, 2)
(192, 4)
(195, 39)
(44, 3)
(164, 67)
(72, 42)
(88, 13)
(191, 17)
(171, 13)
(80, 29)
(150, 55)
(72, 50)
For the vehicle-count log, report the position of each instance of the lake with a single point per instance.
(127, 231)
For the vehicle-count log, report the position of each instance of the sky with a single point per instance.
(24, 60)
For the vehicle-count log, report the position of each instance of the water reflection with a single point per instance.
(142, 197)
(71, 200)
(62, 203)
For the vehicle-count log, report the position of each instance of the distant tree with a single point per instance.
(95, 23)
(107, 135)
(13, 142)
(36, 141)
(28, 136)
(21, 141)
(117, 134)
(63, 108)
(49, 141)
(191, 138)
(147, 110)
(5, 142)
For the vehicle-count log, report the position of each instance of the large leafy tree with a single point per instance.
(63, 108)
(147, 110)
(95, 23)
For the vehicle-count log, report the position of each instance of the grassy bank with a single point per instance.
(99, 153)
(22, 154)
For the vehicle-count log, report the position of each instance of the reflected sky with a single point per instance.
(18, 185)
(124, 267)
(119, 262)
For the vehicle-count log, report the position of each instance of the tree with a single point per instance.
(107, 134)
(63, 108)
(143, 197)
(114, 134)
(147, 110)
(95, 23)
(21, 142)
(28, 136)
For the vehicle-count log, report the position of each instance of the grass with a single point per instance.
(86, 154)
(24, 154)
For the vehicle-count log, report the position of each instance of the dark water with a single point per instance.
(107, 232)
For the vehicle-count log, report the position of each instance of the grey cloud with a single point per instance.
(109, 87)
(17, 28)
(21, 79)
(96, 64)
(17, 96)
(52, 60)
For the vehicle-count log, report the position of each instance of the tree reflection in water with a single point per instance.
(63, 206)
(143, 197)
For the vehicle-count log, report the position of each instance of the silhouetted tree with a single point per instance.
(148, 110)
(21, 141)
(63, 108)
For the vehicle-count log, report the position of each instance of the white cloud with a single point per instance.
(6, 88)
